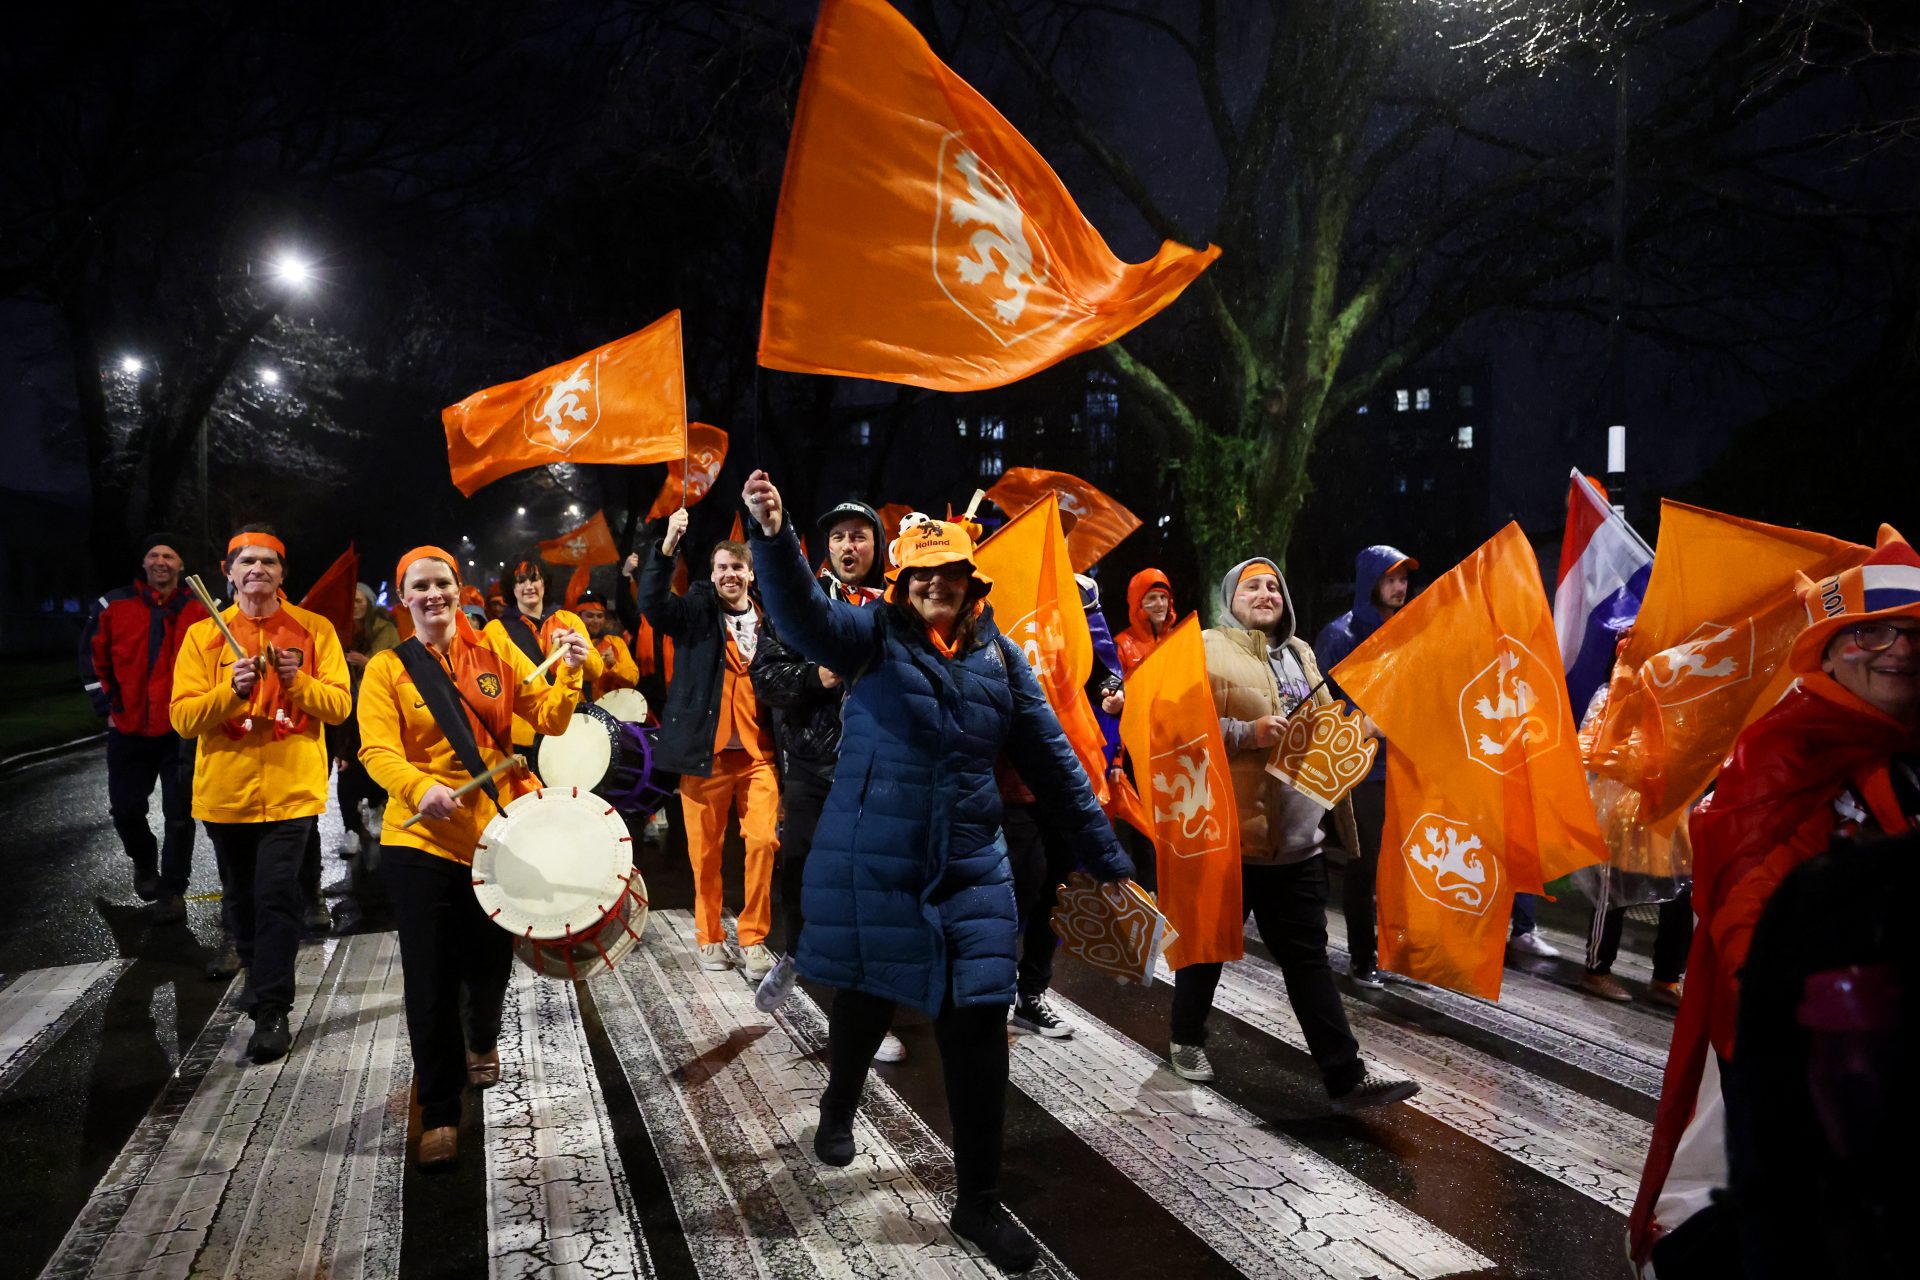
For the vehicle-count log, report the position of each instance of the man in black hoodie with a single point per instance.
(805, 698)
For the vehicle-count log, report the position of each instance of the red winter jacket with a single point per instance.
(127, 652)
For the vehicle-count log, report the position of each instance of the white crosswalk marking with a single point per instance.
(730, 1097)
(558, 1204)
(1566, 1135)
(1268, 1205)
(37, 1007)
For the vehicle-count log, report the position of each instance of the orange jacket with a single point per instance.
(1138, 640)
(740, 708)
(266, 772)
(405, 752)
(496, 635)
(621, 671)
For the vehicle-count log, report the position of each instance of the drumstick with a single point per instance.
(559, 651)
(511, 762)
(199, 590)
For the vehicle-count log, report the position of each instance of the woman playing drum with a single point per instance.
(447, 945)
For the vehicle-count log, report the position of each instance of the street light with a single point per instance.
(520, 511)
(291, 271)
(573, 509)
(130, 364)
(270, 376)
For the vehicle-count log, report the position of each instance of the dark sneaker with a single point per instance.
(833, 1139)
(1369, 978)
(316, 920)
(226, 961)
(1190, 1062)
(271, 1039)
(993, 1231)
(170, 909)
(1373, 1092)
(1036, 1016)
(146, 885)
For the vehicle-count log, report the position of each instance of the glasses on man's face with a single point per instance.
(1878, 637)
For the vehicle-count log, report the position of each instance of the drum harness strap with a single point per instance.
(445, 702)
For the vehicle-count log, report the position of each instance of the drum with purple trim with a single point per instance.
(582, 755)
(555, 870)
(629, 705)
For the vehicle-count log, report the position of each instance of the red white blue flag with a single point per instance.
(1604, 566)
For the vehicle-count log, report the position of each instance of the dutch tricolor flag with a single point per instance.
(1603, 576)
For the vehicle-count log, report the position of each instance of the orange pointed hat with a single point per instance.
(1886, 586)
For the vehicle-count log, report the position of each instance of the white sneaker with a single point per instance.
(890, 1050)
(1190, 1062)
(714, 957)
(1531, 943)
(776, 986)
(756, 961)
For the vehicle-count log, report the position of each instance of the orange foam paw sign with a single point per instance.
(1114, 928)
(1323, 755)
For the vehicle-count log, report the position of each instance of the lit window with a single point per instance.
(863, 432)
(1399, 484)
(1400, 399)
(1423, 399)
(962, 424)
(1361, 409)
(1466, 395)
(993, 428)
(990, 464)
(1463, 438)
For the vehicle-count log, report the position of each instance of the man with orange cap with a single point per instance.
(620, 671)
(1835, 757)
(261, 768)
(715, 734)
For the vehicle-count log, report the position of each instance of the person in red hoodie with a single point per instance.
(1150, 611)
(126, 667)
(1838, 755)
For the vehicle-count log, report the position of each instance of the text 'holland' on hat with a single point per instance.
(1886, 586)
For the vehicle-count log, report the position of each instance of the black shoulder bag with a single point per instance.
(448, 707)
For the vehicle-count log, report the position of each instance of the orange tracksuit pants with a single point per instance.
(750, 786)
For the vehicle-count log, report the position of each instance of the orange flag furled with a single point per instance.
(590, 544)
(1707, 654)
(1172, 735)
(1486, 796)
(331, 595)
(621, 403)
(1037, 604)
(1100, 523)
(920, 239)
(706, 454)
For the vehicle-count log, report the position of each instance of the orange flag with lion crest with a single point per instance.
(624, 402)
(1486, 796)
(1099, 523)
(920, 239)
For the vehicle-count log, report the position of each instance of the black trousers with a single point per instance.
(260, 869)
(1363, 868)
(1289, 903)
(353, 785)
(801, 798)
(1670, 942)
(973, 1059)
(1041, 860)
(134, 764)
(449, 950)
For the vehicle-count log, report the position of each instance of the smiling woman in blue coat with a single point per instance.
(907, 891)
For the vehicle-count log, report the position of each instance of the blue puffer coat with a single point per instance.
(908, 874)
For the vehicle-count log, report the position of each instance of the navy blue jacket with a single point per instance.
(1343, 635)
(907, 881)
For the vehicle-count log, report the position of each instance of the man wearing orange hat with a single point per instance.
(1833, 758)
(717, 737)
(619, 669)
(261, 767)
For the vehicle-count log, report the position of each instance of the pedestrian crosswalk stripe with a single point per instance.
(558, 1203)
(36, 1009)
(1589, 1146)
(1267, 1204)
(730, 1097)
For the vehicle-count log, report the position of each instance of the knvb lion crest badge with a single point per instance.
(1323, 755)
(1188, 791)
(489, 684)
(984, 260)
(1448, 865)
(1716, 656)
(1511, 709)
(567, 411)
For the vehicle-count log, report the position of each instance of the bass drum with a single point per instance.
(627, 705)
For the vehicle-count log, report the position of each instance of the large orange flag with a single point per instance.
(921, 239)
(1100, 523)
(1037, 604)
(622, 403)
(706, 454)
(331, 595)
(1172, 735)
(1707, 654)
(590, 544)
(1486, 796)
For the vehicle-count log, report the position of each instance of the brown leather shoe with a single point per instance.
(483, 1069)
(439, 1146)
(1664, 994)
(1604, 986)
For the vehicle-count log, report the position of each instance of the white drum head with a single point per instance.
(581, 756)
(629, 705)
(553, 864)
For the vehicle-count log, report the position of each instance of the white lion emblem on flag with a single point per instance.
(984, 256)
